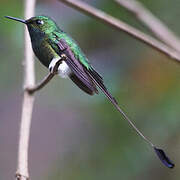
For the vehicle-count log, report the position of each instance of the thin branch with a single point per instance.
(121, 26)
(152, 22)
(45, 81)
(28, 101)
(40, 85)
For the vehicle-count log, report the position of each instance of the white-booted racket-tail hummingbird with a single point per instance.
(50, 43)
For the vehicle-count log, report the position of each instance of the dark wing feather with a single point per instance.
(81, 85)
(89, 77)
(79, 76)
(82, 76)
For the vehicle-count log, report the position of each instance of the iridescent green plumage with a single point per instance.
(50, 38)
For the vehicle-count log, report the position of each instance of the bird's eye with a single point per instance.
(39, 22)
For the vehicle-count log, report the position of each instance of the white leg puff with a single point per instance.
(63, 69)
(53, 63)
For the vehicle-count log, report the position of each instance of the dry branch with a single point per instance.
(121, 26)
(40, 85)
(28, 101)
(152, 22)
(45, 81)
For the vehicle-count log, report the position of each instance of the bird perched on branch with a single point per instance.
(51, 45)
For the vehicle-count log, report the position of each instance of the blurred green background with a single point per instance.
(75, 136)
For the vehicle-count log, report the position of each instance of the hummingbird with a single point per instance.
(50, 44)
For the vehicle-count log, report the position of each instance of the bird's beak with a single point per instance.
(16, 19)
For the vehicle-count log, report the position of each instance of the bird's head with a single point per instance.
(38, 24)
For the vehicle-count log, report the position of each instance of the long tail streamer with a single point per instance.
(160, 153)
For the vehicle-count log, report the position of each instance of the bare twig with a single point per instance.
(40, 85)
(28, 101)
(153, 23)
(121, 26)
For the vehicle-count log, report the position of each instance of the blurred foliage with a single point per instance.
(75, 136)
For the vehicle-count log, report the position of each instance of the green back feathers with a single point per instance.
(74, 48)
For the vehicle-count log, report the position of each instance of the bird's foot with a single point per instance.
(53, 66)
(63, 56)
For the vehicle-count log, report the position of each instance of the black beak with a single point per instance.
(16, 19)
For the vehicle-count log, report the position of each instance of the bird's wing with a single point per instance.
(76, 67)
(89, 76)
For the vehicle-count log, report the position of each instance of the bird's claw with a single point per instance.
(52, 65)
(63, 56)
(53, 68)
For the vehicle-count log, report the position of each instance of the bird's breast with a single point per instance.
(44, 52)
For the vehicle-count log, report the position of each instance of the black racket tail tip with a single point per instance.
(164, 158)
